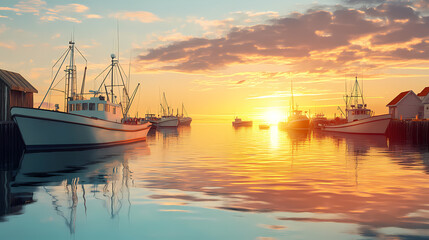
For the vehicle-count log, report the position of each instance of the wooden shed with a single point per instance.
(14, 91)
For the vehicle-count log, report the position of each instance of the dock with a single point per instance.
(415, 132)
(11, 145)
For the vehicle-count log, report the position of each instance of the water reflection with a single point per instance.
(103, 173)
(216, 182)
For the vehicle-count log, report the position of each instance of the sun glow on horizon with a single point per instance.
(273, 116)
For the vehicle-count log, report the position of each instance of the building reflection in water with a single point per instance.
(64, 175)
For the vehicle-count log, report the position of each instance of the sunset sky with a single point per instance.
(225, 58)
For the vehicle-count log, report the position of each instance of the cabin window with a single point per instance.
(114, 110)
(84, 106)
(91, 106)
(107, 109)
(100, 107)
(78, 106)
(71, 107)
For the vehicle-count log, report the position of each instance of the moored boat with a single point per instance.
(318, 121)
(184, 119)
(85, 123)
(240, 123)
(360, 119)
(296, 120)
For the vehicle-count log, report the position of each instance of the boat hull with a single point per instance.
(44, 129)
(372, 125)
(166, 122)
(242, 124)
(299, 124)
(185, 121)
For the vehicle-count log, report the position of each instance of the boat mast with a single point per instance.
(71, 75)
(111, 82)
(291, 90)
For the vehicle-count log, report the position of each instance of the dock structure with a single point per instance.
(11, 145)
(416, 132)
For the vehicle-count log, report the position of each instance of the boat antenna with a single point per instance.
(117, 33)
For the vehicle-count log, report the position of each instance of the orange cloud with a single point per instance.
(140, 16)
(318, 41)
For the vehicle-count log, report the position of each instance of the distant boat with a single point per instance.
(296, 120)
(167, 119)
(359, 117)
(164, 121)
(264, 126)
(85, 123)
(184, 119)
(318, 121)
(240, 123)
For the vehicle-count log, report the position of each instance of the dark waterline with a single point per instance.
(211, 181)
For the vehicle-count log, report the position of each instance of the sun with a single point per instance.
(274, 116)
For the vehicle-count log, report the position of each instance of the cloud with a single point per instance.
(8, 45)
(31, 6)
(57, 13)
(74, 7)
(55, 36)
(140, 16)
(93, 16)
(52, 18)
(329, 39)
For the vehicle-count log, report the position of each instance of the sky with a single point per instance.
(227, 58)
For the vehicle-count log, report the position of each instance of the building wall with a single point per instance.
(426, 111)
(409, 107)
(4, 102)
(21, 99)
(10, 98)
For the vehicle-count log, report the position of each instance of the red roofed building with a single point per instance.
(423, 93)
(406, 105)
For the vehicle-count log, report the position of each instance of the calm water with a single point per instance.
(210, 181)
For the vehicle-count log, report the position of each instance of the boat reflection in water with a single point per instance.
(102, 173)
(215, 182)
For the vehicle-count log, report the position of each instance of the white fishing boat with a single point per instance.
(85, 123)
(167, 119)
(360, 119)
(184, 119)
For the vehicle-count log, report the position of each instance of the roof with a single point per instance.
(424, 92)
(16, 82)
(398, 98)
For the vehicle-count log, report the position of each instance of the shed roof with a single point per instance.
(398, 98)
(424, 92)
(16, 82)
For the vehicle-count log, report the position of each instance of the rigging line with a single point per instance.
(86, 61)
(53, 80)
(102, 72)
(68, 49)
(126, 91)
(104, 79)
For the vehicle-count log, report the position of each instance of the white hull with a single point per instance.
(166, 122)
(371, 125)
(43, 129)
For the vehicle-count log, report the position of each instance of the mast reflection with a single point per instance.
(66, 175)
